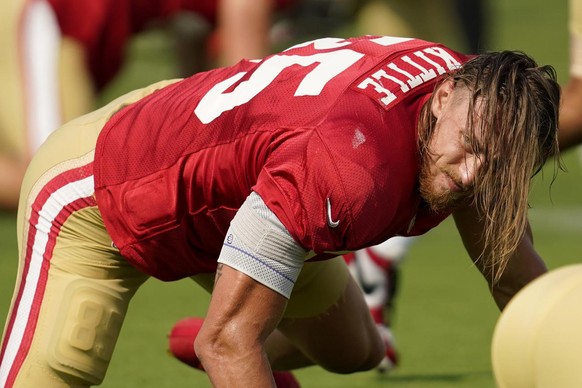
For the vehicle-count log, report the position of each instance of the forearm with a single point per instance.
(522, 268)
(241, 315)
(523, 265)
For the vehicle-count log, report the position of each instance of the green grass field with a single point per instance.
(444, 317)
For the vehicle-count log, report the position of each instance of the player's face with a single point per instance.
(448, 171)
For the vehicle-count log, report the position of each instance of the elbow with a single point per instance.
(220, 346)
(212, 348)
(508, 286)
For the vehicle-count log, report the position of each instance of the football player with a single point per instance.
(252, 179)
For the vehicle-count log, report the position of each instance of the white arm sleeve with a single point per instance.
(258, 245)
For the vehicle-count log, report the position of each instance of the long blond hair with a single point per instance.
(518, 105)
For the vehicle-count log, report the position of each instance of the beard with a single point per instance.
(438, 202)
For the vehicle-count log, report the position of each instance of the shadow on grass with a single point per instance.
(440, 378)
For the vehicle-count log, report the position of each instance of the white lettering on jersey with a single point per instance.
(427, 63)
(330, 64)
(323, 43)
(392, 77)
(389, 40)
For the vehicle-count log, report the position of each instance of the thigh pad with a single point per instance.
(86, 330)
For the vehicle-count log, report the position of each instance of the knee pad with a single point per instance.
(85, 331)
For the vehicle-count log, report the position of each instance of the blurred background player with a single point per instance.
(59, 54)
(570, 133)
(461, 23)
(376, 272)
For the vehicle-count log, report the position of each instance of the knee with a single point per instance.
(358, 359)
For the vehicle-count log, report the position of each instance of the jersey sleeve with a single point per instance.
(347, 185)
(297, 184)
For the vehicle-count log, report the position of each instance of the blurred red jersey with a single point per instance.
(104, 27)
(324, 132)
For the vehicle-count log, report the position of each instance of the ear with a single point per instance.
(441, 97)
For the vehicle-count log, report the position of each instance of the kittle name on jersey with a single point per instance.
(390, 81)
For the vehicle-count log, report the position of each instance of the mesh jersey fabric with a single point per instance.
(334, 158)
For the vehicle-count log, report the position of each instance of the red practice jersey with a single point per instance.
(324, 132)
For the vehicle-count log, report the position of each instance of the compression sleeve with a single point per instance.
(258, 245)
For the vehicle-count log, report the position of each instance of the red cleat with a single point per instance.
(181, 342)
(285, 379)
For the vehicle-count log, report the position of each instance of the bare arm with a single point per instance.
(524, 266)
(244, 29)
(570, 133)
(11, 173)
(258, 266)
(241, 315)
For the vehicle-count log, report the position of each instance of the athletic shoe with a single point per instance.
(390, 360)
(181, 341)
(285, 379)
(181, 346)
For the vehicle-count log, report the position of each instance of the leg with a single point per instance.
(75, 83)
(424, 19)
(321, 329)
(15, 138)
(314, 330)
(73, 287)
(45, 82)
(570, 133)
(69, 304)
(325, 316)
(472, 16)
(376, 269)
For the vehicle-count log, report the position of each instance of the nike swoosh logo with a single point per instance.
(330, 222)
